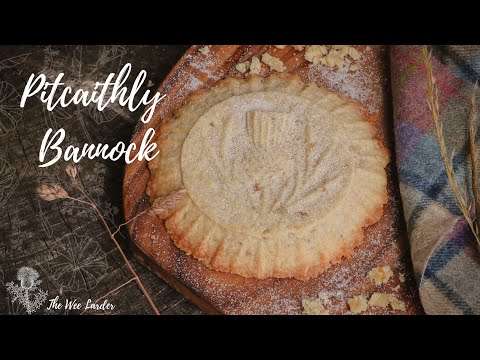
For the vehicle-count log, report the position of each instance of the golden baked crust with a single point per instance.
(281, 177)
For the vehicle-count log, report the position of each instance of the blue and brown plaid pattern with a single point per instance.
(445, 258)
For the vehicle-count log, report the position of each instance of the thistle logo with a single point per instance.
(27, 293)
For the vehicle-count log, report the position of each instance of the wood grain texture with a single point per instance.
(32, 229)
(221, 293)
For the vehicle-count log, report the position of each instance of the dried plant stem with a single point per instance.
(432, 96)
(54, 191)
(112, 237)
(473, 155)
(80, 187)
(79, 200)
(129, 221)
(90, 202)
(160, 206)
(51, 192)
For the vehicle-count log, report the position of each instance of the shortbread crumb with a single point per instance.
(334, 56)
(379, 299)
(255, 66)
(205, 50)
(383, 300)
(380, 275)
(299, 47)
(323, 295)
(354, 53)
(314, 53)
(280, 46)
(358, 304)
(273, 62)
(396, 303)
(401, 277)
(243, 67)
(314, 306)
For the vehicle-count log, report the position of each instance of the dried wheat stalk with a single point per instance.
(432, 97)
(473, 155)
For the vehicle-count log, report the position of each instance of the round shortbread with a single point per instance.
(281, 177)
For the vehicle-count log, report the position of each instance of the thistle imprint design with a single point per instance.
(27, 293)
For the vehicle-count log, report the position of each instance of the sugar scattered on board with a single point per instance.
(207, 65)
(364, 83)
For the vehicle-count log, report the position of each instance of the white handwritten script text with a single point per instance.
(112, 90)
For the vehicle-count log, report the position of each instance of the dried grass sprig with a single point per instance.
(72, 172)
(433, 103)
(55, 191)
(51, 192)
(473, 155)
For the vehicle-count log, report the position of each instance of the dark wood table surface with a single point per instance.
(65, 242)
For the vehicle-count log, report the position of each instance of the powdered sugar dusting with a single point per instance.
(206, 65)
(193, 83)
(201, 70)
(363, 85)
(283, 169)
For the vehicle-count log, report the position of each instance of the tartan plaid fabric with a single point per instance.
(445, 258)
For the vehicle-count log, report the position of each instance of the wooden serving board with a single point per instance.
(222, 293)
